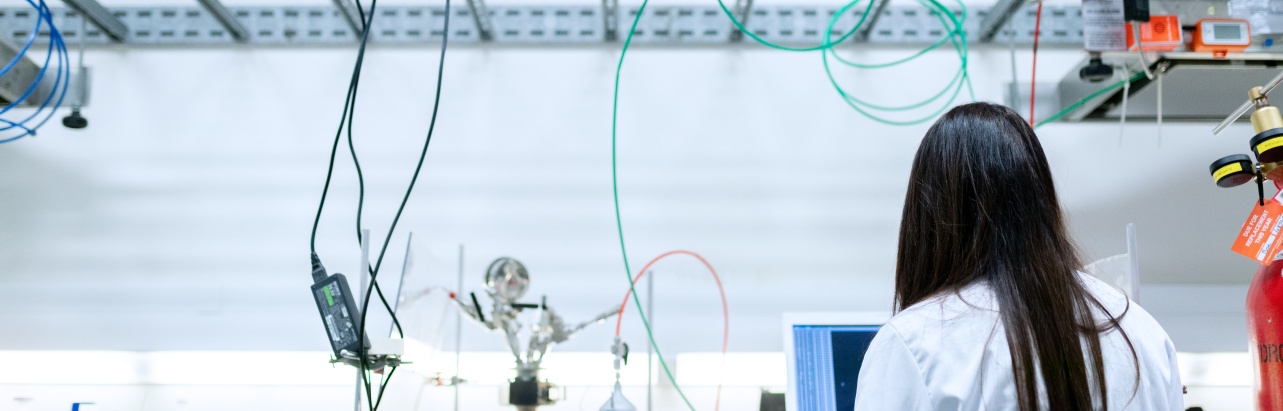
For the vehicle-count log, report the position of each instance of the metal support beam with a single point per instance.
(997, 18)
(351, 14)
(610, 19)
(227, 19)
(481, 17)
(741, 11)
(526, 25)
(101, 18)
(872, 21)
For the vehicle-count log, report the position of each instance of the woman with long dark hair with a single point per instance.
(993, 312)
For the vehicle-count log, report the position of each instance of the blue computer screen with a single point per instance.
(828, 359)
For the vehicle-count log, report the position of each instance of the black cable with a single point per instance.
(348, 104)
(383, 387)
(427, 141)
(361, 12)
(350, 120)
(338, 136)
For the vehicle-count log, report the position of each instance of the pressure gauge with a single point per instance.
(1232, 171)
(1222, 35)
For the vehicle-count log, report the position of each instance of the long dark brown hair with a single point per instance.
(981, 207)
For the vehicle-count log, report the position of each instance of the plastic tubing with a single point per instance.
(61, 82)
(1090, 97)
(956, 35)
(955, 32)
(52, 49)
(726, 315)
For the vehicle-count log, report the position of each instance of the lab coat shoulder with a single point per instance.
(1160, 385)
(949, 353)
(893, 382)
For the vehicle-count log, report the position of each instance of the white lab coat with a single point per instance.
(950, 352)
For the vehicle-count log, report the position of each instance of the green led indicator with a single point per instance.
(329, 298)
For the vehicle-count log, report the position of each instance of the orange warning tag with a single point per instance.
(1259, 239)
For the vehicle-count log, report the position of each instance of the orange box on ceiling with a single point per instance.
(1161, 33)
(1221, 36)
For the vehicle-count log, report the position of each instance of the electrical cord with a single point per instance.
(1033, 71)
(346, 118)
(726, 315)
(349, 119)
(383, 387)
(436, 106)
(350, 110)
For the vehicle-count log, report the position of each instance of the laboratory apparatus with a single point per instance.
(617, 401)
(1259, 241)
(823, 352)
(506, 282)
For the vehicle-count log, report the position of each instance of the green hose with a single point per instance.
(1092, 96)
(956, 36)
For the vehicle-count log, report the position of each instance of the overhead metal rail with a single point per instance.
(528, 25)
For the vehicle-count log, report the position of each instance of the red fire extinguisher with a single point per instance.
(1262, 240)
(1265, 334)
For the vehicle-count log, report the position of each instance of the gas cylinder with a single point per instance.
(1265, 335)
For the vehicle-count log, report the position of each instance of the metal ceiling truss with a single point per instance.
(996, 18)
(101, 18)
(741, 13)
(227, 19)
(351, 14)
(481, 19)
(872, 21)
(215, 25)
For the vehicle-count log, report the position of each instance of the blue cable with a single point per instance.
(61, 82)
(53, 42)
(30, 39)
(63, 78)
(58, 88)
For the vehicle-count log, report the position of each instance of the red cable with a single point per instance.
(726, 316)
(1033, 77)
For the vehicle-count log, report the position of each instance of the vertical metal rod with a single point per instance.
(1134, 259)
(365, 283)
(1015, 82)
(1160, 108)
(405, 268)
(82, 88)
(458, 333)
(650, 348)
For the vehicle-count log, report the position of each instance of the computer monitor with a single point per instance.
(824, 352)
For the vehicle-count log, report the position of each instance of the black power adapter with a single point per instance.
(335, 301)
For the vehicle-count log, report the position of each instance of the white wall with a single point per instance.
(179, 219)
